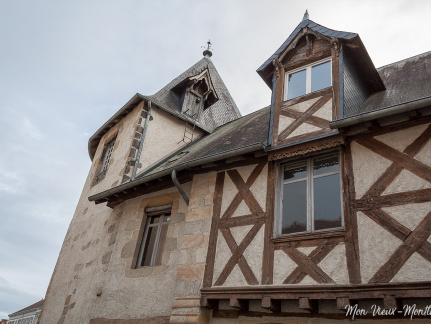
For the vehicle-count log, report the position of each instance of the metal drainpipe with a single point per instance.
(178, 185)
(141, 144)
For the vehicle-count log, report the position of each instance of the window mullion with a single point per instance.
(309, 195)
(308, 80)
(156, 243)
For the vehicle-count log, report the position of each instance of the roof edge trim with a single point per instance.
(381, 113)
(224, 155)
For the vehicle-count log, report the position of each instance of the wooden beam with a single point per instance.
(390, 302)
(209, 303)
(273, 305)
(241, 304)
(308, 304)
(343, 302)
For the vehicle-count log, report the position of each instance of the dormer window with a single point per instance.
(196, 94)
(308, 79)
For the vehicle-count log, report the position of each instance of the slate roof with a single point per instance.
(221, 112)
(406, 81)
(246, 131)
(315, 27)
(28, 308)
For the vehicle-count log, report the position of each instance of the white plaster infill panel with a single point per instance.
(335, 265)
(303, 106)
(416, 268)
(235, 279)
(376, 246)
(409, 215)
(308, 281)
(304, 129)
(306, 249)
(222, 256)
(283, 267)
(240, 232)
(325, 111)
(367, 168)
(399, 140)
(424, 154)
(229, 192)
(283, 123)
(254, 253)
(406, 181)
(258, 189)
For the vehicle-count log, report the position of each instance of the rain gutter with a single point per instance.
(178, 185)
(189, 164)
(381, 113)
(141, 144)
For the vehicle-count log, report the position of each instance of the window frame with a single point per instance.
(307, 69)
(308, 161)
(159, 226)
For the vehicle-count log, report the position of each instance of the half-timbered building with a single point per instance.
(314, 204)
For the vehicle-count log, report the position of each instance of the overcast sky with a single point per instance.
(67, 66)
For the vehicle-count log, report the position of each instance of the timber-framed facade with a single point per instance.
(300, 210)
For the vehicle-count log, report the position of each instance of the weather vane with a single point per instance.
(208, 49)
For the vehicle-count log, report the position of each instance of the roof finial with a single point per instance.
(305, 15)
(208, 52)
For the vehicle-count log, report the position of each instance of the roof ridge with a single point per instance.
(408, 58)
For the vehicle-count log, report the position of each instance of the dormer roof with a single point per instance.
(351, 40)
(219, 113)
(223, 108)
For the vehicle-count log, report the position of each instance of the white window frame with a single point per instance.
(307, 69)
(310, 194)
(159, 226)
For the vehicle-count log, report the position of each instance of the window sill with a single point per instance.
(309, 236)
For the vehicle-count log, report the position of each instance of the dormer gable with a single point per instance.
(197, 93)
(316, 76)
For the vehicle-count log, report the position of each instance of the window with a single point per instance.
(106, 159)
(310, 195)
(154, 238)
(309, 79)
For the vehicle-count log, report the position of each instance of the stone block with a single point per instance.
(106, 257)
(209, 198)
(165, 257)
(199, 213)
(190, 272)
(201, 255)
(184, 259)
(111, 228)
(79, 267)
(177, 217)
(170, 244)
(128, 250)
(112, 238)
(67, 301)
(132, 225)
(192, 241)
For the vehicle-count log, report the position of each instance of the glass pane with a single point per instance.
(161, 244)
(321, 76)
(294, 207)
(154, 220)
(326, 165)
(294, 173)
(296, 84)
(149, 246)
(327, 202)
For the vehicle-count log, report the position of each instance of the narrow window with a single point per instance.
(108, 153)
(311, 195)
(154, 239)
(308, 79)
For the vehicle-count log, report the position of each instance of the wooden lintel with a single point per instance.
(308, 304)
(343, 302)
(241, 304)
(273, 305)
(390, 302)
(414, 114)
(209, 303)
